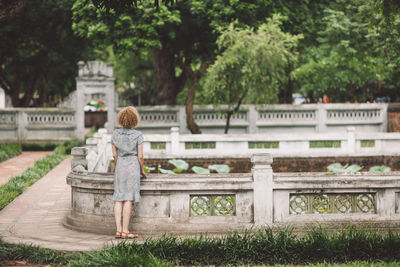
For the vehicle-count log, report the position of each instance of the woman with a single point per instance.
(127, 151)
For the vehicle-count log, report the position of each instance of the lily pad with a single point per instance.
(379, 169)
(164, 171)
(200, 170)
(220, 168)
(179, 164)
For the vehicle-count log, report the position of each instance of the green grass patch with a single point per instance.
(320, 247)
(8, 151)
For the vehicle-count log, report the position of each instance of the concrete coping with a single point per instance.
(261, 159)
(91, 141)
(79, 151)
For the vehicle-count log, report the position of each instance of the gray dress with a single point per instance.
(127, 170)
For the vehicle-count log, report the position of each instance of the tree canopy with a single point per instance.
(251, 66)
(39, 53)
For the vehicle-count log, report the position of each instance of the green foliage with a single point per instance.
(120, 255)
(353, 59)
(70, 144)
(251, 65)
(148, 169)
(179, 164)
(32, 254)
(219, 168)
(338, 167)
(379, 169)
(39, 53)
(164, 171)
(200, 170)
(262, 246)
(38, 147)
(9, 150)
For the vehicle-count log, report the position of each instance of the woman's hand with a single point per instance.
(142, 174)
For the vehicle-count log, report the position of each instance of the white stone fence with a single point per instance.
(175, 145)
(223, 202)
(307, 118)
(41, 125)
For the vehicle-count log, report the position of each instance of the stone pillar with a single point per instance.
(321, 118)
(79, 163)
(262, 189)
(2, 98)
(181, 114)
(21, 124)
(252, 119)
(91, 145)
(351, 140)
(174, 140)
(95, 78)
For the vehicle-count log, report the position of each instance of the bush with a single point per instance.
(38, 147)
(70, 144)
(9, 150)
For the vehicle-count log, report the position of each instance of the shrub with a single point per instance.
(9, 150)
(70, 144)
(38, 147)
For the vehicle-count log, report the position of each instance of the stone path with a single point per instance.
(19, 164)
(35, 217)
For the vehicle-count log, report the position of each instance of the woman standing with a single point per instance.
(127, 151)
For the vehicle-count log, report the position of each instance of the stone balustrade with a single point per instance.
(252, 119)
(349, 144)
(41, 125)
(223, 202)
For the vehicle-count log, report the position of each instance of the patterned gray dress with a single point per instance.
(127, 170)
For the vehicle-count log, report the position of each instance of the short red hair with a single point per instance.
(129, 117)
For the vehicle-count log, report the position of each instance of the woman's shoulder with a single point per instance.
(132, 132)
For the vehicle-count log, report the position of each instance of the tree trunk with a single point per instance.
(191, 124)
(193, 80)
(228, 121)
(167, 84)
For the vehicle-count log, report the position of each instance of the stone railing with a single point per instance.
(253, 119)
(223, 202)
(351, 143)
(46, 125)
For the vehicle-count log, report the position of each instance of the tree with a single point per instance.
(39, 53)
(250, 66)
(349, 61)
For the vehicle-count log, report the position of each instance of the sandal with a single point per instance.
(118, 235)
(129, 235)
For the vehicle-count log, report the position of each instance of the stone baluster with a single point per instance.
(262, 189)
(174, 140)
(351, 140)
(79, 162)
(91, 145)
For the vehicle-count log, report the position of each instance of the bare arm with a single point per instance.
(114, 151)
(141, 160)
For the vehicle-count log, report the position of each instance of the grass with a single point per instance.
(352, 246)
(8, 151)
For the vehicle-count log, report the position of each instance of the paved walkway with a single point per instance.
(19, 164)
(35, 216)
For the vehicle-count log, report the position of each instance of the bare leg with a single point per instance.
(126, 215)
(118, 214)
